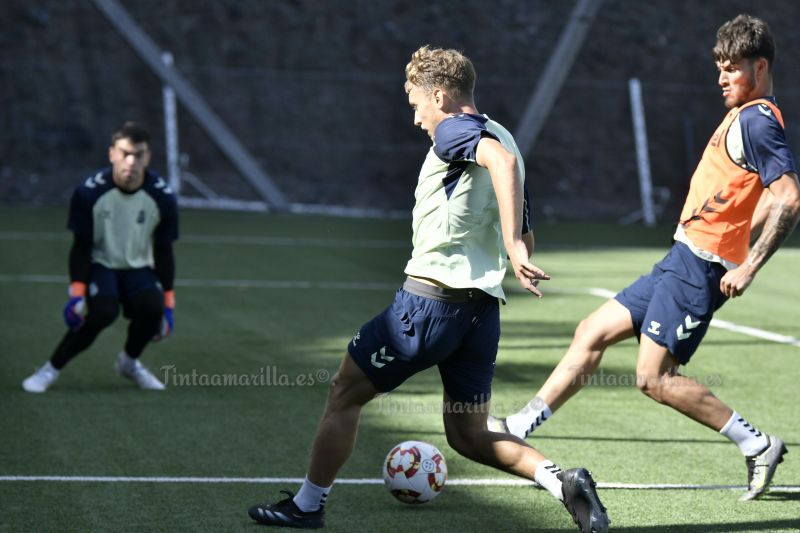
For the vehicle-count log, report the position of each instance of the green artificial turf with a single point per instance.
(244, 316)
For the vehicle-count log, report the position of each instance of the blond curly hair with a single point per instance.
(450, 70)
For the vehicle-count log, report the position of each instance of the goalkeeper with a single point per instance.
(124, 219)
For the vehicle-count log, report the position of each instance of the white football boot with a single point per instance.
(41, 380)
(761, 467)
(134, 370)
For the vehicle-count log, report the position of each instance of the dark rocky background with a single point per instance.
(314, 90)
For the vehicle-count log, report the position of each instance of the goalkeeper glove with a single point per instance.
(168, 320)
(75, 310)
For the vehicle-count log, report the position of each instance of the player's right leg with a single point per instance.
(658, 378)
(466, 431)
(467, 379)
(378, 360)
(350, 389)
(145, 309)
(143, 303)
(682, 306)
(607, 325)
(102, 311)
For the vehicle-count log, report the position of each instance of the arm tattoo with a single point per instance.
(780, 222)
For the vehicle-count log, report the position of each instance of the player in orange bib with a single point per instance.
(743, 201)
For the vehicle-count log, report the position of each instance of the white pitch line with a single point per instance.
(293, 241)
(235, 283)
(34, 236)
(290, 241)
(231, 240)
(723, 324)
(755, 332)
(370, 481)
(277, 284)
(33, 278)
(715, 322)
(602, 293)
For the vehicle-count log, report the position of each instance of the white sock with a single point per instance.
(126, 361)
(311, 497)
(49, 368)
(527, 419)
(749, 440)
(546, 477)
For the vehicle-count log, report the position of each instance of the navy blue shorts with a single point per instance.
(121, 284)
(674, 304)
(456, 329)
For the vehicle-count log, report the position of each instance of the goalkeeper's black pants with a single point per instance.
(144, 309)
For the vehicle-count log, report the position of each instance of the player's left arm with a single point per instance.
(502, 166)
(527, 221)
(780, 214)
(164, 260)
(760, 216)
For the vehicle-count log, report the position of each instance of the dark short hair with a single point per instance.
(133, 131)
(744, 37)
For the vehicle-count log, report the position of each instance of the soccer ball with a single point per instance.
(414, 472)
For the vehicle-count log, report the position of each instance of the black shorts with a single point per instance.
(456, 329)
(121, 284)
(674, 304)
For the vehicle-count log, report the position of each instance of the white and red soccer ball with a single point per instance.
(414, 472)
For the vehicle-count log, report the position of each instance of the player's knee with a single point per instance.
(337, 388)
(584, 331)
(102, 312)
(346, 391)
(589, 336)
(651, 386)
(461, 440)
(459, 443)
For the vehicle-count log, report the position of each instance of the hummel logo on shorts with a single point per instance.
(379, 358)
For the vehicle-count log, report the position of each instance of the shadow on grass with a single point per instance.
(761, 525)
(628, 439)
(594, 438)
(564, 346)
(775, 495)
(538, 327)
(558, 346)
(727, 527)
(534, 374)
